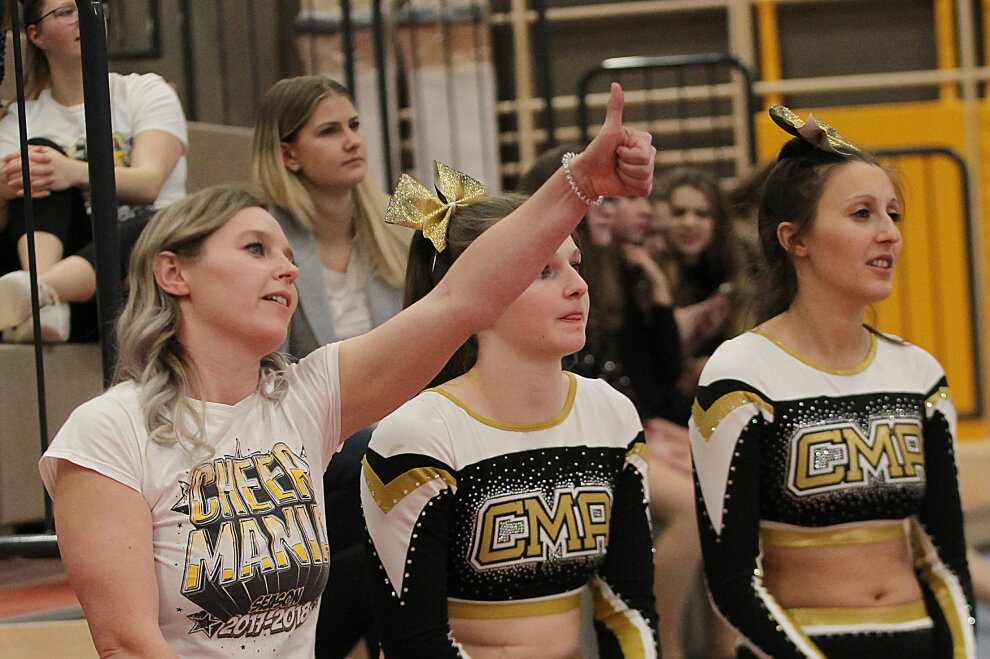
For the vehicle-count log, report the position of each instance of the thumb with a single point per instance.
(613, 111)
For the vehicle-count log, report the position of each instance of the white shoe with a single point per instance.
(15, 310)
(54, 326)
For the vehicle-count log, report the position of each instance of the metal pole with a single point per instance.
(29, 546)
(542, 47)
(102, 183)
(347, 43)
(189, 61)
(222, 53)
(39, 361)
(38, 545)
(378, 29)
(666, 61)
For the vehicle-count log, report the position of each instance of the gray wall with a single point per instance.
(240, 48)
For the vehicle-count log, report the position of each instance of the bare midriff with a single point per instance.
(876, 573)
(554, 636)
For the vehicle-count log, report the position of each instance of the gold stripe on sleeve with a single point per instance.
(639, 448)
(627, 625)
(387, 496)
(940, 393)
(947, 590)
(707, 420)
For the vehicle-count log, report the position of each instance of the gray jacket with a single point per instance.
(312, 323)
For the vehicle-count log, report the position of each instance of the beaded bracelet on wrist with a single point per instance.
(566, 163)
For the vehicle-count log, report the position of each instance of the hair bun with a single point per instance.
(797, 147)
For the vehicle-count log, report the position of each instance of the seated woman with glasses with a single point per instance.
(149, 139)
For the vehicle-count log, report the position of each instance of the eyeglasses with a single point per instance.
(67, 15)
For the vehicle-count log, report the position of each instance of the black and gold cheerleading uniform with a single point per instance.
(471, 518)
(787, 453)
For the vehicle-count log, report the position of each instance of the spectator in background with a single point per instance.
(632, 219)
(648, 339)
(149, 133)
(310, 161)
(704, 264)
(652, 356)
(600, 223)
(655, 238)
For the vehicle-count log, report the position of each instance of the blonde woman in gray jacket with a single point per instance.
(310, 162)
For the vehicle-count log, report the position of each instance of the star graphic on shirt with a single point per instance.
(182, 504)
(205, 622)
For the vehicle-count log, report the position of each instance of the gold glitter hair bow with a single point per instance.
(814, 130)
(414, 206)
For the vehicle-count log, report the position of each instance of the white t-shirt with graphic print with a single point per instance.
(240, 542)
(138, 102)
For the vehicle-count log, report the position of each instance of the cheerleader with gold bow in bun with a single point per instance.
(494, 498)
(827, 498)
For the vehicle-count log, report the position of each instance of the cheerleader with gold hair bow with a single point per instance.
(495, 497)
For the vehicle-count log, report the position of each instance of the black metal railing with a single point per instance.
(699, 107)
(104, 217)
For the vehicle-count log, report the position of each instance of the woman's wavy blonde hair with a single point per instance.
(149, 351)
(287, 106)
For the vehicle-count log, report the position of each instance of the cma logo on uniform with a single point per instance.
(840, 456)
(523, 528)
